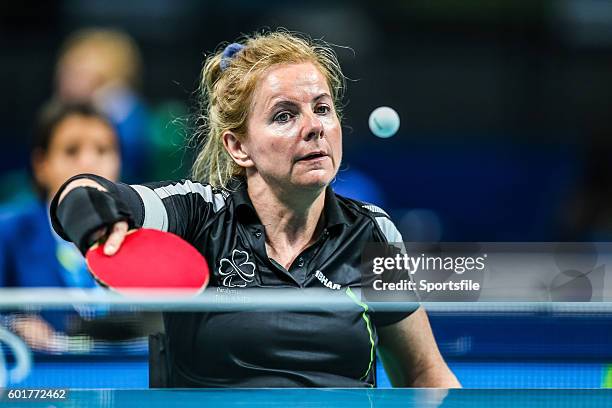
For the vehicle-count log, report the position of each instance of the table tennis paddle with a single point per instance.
(150, 261)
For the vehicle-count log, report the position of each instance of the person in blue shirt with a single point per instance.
(69, 138)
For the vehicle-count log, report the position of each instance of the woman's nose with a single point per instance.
(313, 128)
(88, 160)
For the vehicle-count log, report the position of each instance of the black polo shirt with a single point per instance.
(266, 348)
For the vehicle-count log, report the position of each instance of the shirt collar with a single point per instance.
(245, 211)
(334, 215)
(243, 206)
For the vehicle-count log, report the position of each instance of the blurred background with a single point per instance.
(505, 126)
(504, 105)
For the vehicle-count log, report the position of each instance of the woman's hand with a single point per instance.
(117, 232)
(83, 182)
(115, 238)
(36, 332)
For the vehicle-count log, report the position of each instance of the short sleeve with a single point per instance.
(178, 206)
(387, 233)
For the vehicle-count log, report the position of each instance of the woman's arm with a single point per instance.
(181, 207)
(411, 356)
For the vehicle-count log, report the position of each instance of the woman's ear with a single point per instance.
(237, 150)
(39, 166)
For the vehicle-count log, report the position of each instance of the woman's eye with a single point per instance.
(282, 117)
(322, 109)
(102, 150)
(71, 151)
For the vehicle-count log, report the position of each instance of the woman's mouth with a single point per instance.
(312, 157)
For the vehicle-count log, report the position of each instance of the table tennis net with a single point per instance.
(95, 339)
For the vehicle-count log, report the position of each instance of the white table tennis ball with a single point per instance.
(384, 121)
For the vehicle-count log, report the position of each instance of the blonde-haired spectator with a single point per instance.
(104, 67)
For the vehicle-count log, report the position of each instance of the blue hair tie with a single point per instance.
(228, 54)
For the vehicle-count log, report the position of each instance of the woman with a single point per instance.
(263, 214)
(69, 139)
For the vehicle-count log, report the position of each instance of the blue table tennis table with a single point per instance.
(354, 398)
(133, 373)
(544, 351)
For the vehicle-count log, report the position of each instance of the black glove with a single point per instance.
(85, 210)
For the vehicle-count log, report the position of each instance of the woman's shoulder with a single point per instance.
(379, 218)
(362, 207)
(184, 187)
(16, 213)
(19, 218)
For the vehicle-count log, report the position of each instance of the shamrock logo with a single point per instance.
(238, 271)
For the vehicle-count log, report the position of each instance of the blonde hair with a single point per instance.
(118, 51)
(226, 94)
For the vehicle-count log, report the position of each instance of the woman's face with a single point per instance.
(79, 144)
(294, 137)
(80, 73)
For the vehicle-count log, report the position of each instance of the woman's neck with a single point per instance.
(292, 219)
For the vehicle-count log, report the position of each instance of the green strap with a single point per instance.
(366, 318)
(607, 380)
